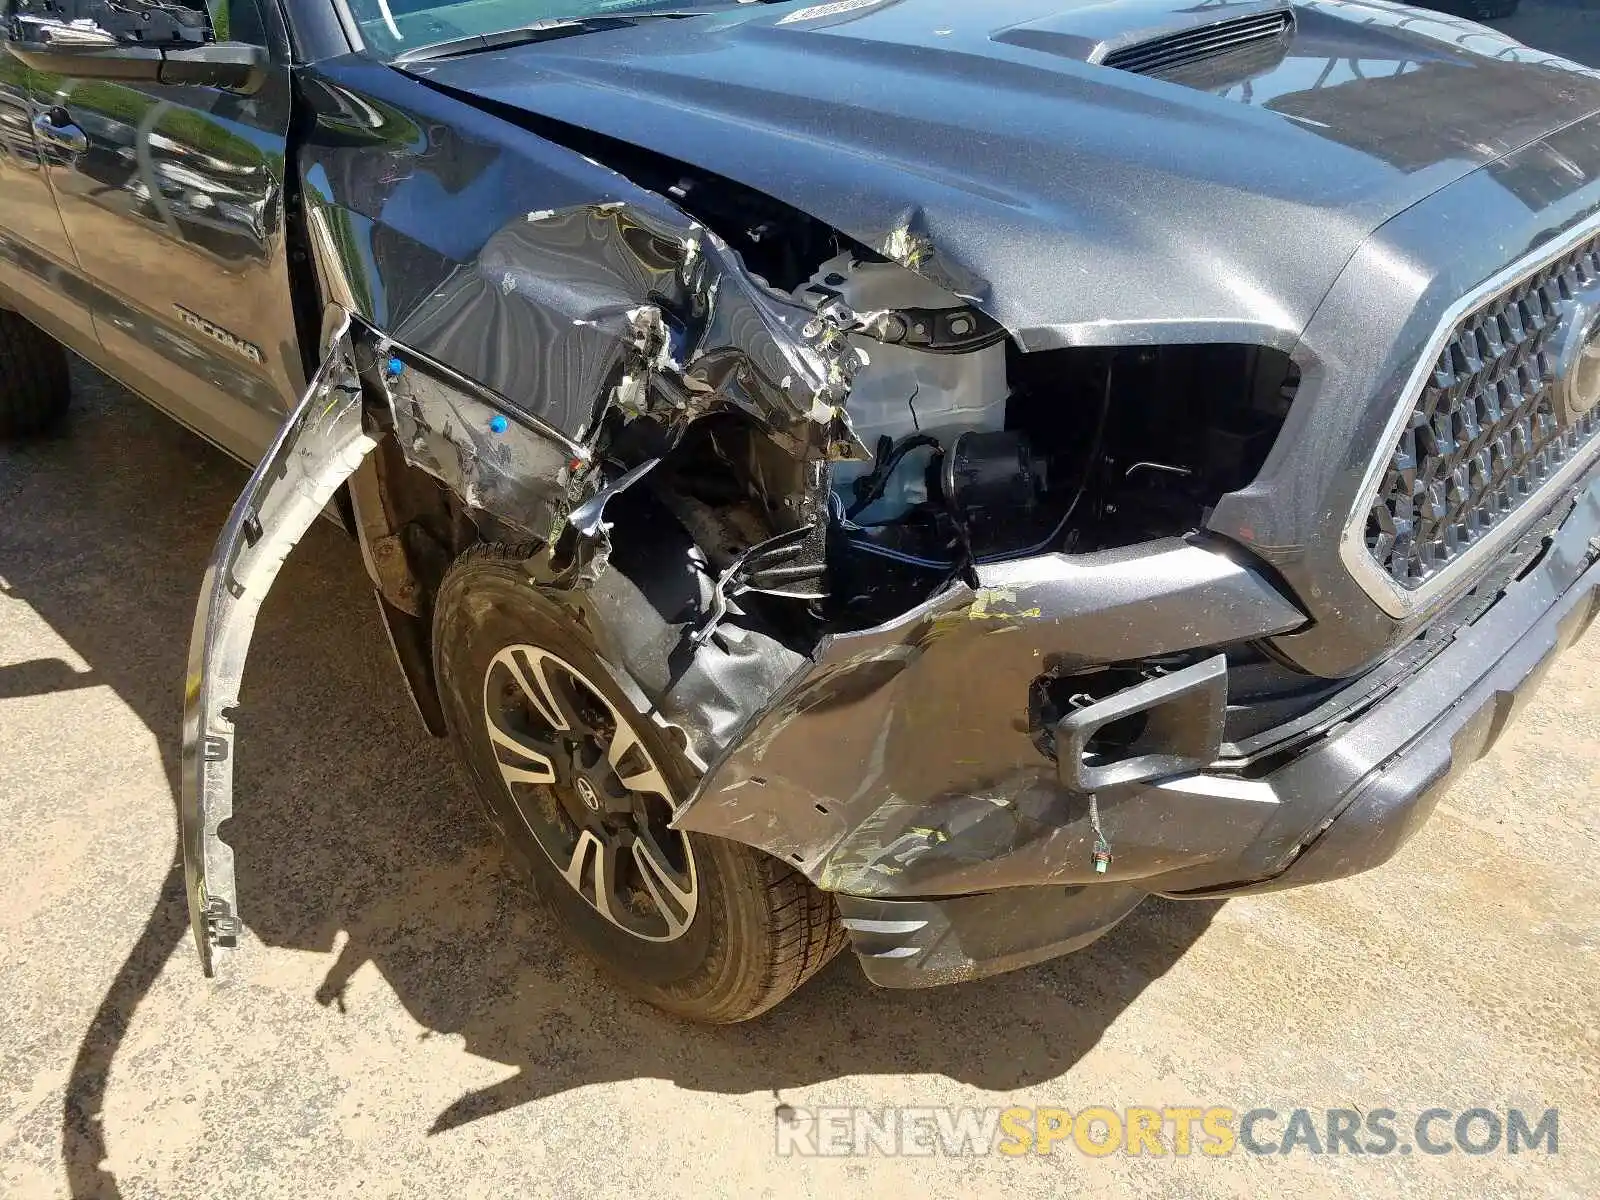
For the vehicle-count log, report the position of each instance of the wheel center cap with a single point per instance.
(586, 792)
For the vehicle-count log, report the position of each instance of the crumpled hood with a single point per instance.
(1076, 203)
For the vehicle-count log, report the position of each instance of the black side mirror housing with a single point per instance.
(171, 48)
(230, 66)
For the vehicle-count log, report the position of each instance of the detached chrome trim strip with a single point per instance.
(1402, 603)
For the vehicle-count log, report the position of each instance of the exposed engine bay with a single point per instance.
(980, 453)
(976, 451)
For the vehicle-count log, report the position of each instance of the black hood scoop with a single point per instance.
(1160, 37)
(1188, 48)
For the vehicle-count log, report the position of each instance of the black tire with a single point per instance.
(34, 386)
(758, 929)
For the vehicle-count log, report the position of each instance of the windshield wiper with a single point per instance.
(539, 31)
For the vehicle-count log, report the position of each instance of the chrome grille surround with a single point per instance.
(1477, 438)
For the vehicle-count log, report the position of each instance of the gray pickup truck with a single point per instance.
(911, 474)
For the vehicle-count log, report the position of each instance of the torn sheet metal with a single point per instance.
(495, 458)
(319, 447)
(612, 305)
(550, 279)
(835, 776)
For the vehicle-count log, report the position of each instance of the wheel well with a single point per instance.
(410, 529)
(723, 487)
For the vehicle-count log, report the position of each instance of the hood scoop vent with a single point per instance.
(1185, 41)
(1177, 50)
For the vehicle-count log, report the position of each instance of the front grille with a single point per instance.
(1172, 51)
(1485, 434)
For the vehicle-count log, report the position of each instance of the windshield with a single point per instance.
(393, 27)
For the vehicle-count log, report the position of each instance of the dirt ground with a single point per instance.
(405, 1024)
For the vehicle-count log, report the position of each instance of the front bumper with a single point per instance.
(992, 868)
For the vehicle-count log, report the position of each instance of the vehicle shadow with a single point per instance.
(357, 838)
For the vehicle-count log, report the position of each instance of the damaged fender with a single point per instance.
(683, 331)
(834, 775)
(319, 447)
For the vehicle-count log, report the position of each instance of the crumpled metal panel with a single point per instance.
(494, 458)
(319, 447)
(549, 280)
(612, 291)
(839, 776)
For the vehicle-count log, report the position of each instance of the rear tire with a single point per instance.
(717, 932)
(34, 385)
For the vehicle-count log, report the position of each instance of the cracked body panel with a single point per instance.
(319, 447)
(836, 776)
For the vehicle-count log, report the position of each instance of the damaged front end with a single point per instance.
(695, 336)
(871, 656)
(982, 590)
(932, 616)
(817, 527)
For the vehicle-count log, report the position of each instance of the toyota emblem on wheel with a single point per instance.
(586, 793)
(590, 792)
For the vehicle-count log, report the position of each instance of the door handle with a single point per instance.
(56, 127)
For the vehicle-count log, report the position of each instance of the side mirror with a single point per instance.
(159, 44)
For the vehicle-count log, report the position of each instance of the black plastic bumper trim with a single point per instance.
(923, 943)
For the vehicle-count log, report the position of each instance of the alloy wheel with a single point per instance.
(590, 793)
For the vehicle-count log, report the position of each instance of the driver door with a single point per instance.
(37, 270)
(173, 202)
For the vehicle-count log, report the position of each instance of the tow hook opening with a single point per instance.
(1166, 724)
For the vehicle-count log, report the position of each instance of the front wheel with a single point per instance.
(582, 788)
